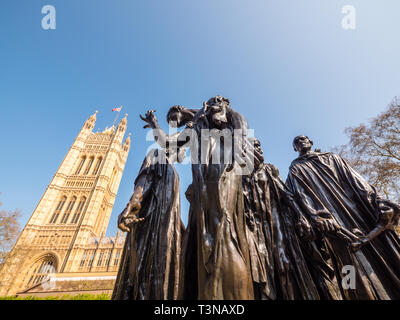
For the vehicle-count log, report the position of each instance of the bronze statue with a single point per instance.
(273, 219)
(223, 256)
(150, 261)
(217, 213)
(342, 207)
(250, 235)
(387, 220)
(179, 116)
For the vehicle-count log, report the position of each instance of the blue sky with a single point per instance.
(287, 65)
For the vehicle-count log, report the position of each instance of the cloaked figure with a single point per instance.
(223, 265)
(150, 261)
(216, 240)
(273, 226)
(343, 208)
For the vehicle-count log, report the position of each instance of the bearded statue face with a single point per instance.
(216, 112)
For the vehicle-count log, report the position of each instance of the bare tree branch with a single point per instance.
(374, 150)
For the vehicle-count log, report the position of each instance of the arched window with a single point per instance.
(101, 257)
(80, 166)
(116, 258)
(91, 258)
(78, 210)
(108, 258)
(112, 181)
(68, 211)
(84, 258)
(97, 167)
(89, 165)
(41, 271)
(58, 210)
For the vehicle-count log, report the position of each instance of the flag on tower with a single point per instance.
(117, 109)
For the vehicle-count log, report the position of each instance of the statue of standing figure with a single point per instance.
(343, 209)
(150, 262)
(217, 212)
(250, 235)
(275, 228)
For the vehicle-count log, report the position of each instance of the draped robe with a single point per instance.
(217, 221)
(150, 263)
(278, 266)
(324, 181)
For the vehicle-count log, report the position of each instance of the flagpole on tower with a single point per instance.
(117, 116)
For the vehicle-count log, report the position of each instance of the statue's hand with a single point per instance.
(304, 228)
(121, 222)
(324, 222)
(389, 214)
(128, 217)
(356, 245)
(150, 119)
(132, 220)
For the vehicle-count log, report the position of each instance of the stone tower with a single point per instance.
(65, 233)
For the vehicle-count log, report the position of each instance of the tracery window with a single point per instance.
(58, 210)
(41, 272)
(100, 259)
(68, 211)
(108, 258)
(116, 258)
(97, 167)
(80, 166)
(78, 211)
(89, 165)
(91, 259)
(83, 260)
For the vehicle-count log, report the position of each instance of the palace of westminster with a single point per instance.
(63, 247)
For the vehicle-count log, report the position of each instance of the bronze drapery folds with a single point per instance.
(342, 206)
(150, 260)
(215, 242)
(216, 221)
(222, 251)
(250, 235)
(278, 266)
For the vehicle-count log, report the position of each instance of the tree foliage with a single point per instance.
(9, 230)
(374, 150)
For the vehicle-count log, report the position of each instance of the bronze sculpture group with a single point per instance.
(249, 234)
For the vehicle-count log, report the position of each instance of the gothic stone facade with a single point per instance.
(64, 238)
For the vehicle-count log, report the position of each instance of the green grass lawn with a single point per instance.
(103, 296)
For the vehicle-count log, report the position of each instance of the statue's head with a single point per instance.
(302, 144)
(218, 100)
(217, 109)
(175, 116)
(179, 116)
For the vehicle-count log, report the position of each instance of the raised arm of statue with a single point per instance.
(177, 116)
(159, 134)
